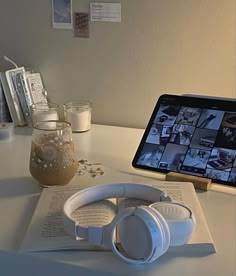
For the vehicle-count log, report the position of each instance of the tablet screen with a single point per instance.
(191, 135)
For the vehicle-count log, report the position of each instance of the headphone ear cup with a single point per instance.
(166, 230)
(180, 220)
(134, 238)
(144, 235)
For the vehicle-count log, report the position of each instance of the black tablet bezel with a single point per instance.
(184, 101)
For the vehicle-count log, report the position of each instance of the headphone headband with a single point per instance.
(100, 192)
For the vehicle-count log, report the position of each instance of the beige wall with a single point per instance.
(161, 46)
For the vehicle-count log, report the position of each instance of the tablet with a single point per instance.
(191, 135)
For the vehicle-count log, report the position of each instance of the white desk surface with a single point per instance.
(114, 147)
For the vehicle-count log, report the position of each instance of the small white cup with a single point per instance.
(78, 113)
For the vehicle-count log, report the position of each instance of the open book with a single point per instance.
(46, 231)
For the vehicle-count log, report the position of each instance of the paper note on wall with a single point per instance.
(106, 12)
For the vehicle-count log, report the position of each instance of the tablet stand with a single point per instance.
(198, 182)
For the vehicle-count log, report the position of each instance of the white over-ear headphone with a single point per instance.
(145, 232)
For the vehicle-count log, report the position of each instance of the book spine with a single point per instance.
(11, 79)
(22, 93)
(27, 90)
(9, 99)
(5, 115)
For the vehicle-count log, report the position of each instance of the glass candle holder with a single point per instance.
(53, 160)
(78, 113)
(44, 111)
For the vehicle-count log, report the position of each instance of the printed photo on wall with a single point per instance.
(62, 14)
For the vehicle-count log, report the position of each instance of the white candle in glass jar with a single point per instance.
(80, 119)
(44, 115)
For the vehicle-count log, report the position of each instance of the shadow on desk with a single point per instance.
(23, 131)
(30, 265)
(18, 186)
(18, 199)
(102, 262)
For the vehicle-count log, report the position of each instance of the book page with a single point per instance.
(46, 230)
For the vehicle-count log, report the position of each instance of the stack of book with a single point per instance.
(19, 89)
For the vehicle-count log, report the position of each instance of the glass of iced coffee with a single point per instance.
(53, 159)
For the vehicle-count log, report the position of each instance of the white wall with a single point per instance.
(161, 46)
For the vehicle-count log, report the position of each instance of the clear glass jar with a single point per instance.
(53, 160)
(44, 111)
(78, 113)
